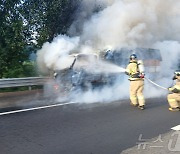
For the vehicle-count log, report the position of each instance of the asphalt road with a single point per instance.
(84, 129)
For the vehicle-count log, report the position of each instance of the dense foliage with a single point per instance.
(30, 23)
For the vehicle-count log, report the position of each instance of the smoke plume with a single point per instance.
(53, 56)
(119, 23)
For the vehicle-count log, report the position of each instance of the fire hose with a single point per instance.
(156, 84)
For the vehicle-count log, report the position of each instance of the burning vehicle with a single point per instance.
(86, 72)
(94, 72)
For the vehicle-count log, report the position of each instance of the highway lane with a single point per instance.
(85, 128)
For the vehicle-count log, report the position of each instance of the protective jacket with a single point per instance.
(133, 71)
(176, 87)
(174, 97)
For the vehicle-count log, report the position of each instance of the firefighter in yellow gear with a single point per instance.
(136, 78)
(174, 97)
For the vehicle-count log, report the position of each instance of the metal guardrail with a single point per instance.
(20, 82)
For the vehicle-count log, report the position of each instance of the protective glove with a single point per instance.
(126, 73)
(175, 91)
(142, 75)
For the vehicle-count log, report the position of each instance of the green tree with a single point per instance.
(23, 22)
(47, 18)
(12, 39)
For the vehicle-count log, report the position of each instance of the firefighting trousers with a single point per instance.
(136, 92)
(174, 100)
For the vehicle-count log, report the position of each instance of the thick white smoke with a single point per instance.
(53, 56)
(120, 23)
(86, 11)
(170, 52)
(134, 23)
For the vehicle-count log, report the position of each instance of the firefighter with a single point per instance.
(136, 78)
(174, 97)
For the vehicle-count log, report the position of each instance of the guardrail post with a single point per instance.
(30, 88)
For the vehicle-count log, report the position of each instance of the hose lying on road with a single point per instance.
(155, 84)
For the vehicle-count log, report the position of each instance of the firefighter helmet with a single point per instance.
(133, 56)
(177, 72)
(176, 75)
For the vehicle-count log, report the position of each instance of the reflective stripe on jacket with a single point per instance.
(133, 71)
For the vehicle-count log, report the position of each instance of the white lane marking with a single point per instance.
(176, 127)
(35, 108)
